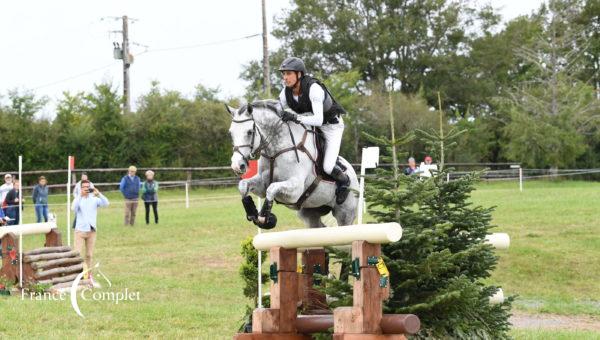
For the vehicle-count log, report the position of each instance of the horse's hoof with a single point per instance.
(267, 222)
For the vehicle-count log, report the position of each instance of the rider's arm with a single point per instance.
(317, 96)
(282, 100)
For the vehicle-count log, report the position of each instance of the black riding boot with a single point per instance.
(343, 183)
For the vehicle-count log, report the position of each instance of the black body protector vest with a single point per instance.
(331, 109)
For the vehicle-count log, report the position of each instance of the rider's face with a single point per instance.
(289, 78)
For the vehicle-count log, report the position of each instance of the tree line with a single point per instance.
(526, 91)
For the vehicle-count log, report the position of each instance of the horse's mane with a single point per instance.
(269, 104)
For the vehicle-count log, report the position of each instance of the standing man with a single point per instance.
(5, 188)
(40, 200)
(130, 188)
(12, 203)
(86, 207)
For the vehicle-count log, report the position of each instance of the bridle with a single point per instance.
(261, 146)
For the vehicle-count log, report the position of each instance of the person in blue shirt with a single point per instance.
(40, 199)
(86, 207)
(130, 188)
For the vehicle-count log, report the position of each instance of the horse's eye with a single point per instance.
(249, 133)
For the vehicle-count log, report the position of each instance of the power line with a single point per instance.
(183, 47)
(74, 76)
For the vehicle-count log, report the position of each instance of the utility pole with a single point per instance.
(266, 78)
(126, 64)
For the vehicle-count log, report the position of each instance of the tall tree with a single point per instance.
(551, 110)
(382, 39)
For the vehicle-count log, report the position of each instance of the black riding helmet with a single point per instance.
(293, 64)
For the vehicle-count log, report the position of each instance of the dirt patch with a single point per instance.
(554, 321)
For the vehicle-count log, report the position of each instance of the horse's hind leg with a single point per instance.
(311, 217)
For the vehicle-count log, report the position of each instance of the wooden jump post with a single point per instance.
(363, 320)
(54, 264)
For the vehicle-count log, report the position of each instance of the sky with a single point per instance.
(67, 45)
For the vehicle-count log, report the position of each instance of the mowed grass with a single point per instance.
(553, 262)
(186, 268)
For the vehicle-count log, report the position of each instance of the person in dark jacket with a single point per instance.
(130, 188)
(150, 196)
(12, 203)
(412, 168)
(40, 199)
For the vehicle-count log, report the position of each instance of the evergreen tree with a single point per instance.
(438, 266)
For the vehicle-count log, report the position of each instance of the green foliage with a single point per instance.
(438, 267)
(249, 273)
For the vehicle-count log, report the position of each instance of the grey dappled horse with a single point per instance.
(286, 167)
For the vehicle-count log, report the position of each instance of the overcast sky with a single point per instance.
(66, 45)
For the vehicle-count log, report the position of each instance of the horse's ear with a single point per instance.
(250, 108)
(230, 109)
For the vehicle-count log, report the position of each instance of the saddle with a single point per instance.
(321, 144)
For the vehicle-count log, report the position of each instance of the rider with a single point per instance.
(307, 101)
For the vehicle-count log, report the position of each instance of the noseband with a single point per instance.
(236, 148)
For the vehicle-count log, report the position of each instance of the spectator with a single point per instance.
(427, 166)
(3, 219)
(12, 203)
(86, 207)
(77, 189)
(5, 188)
(412, 167)
(150, 196)
(40, 199)
(130, 188)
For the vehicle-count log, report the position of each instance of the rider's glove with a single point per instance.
(290, 116)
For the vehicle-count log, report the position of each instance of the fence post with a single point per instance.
(520, 179)
(187, 194)
(20, 221)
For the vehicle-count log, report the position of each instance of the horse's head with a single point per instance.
(245, 137)
(253, 127)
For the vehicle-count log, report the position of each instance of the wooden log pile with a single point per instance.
(54, 264)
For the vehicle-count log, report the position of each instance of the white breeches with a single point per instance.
(333, 140)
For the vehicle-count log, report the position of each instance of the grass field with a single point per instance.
(186, 268)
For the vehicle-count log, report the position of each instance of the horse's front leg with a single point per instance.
(288, 191)
(256, 185)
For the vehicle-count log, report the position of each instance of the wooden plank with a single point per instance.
(53, 238)
(363, 250)
(286, 259)
(280, 336)
(366, 291)
(50, 256)
(60, 270)
(59, 279)
(368, 337)
(265, 320)
(284, 296)
(69, 284)
(46, 250)
(347, 320)
(57, 262)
